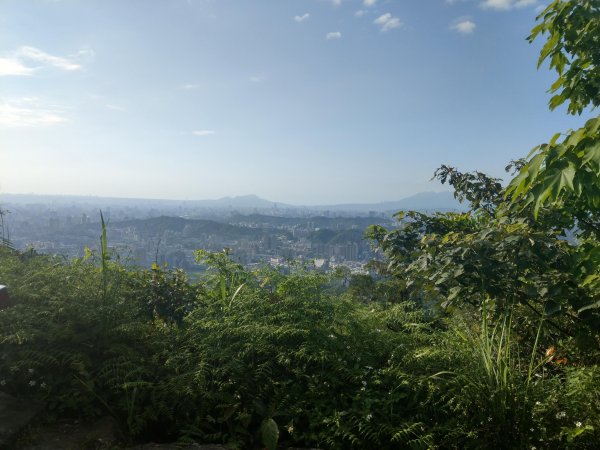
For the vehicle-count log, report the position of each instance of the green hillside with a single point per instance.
(193, 228)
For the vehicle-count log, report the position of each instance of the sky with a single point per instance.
(297, 101)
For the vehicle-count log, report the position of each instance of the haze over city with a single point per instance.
(304, 102)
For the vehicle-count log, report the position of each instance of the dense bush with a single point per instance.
(204, 362)
(274, 355)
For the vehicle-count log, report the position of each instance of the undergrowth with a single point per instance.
(253, 359)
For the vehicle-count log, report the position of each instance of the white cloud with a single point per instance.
(369, 3)
(302, 18)
(336, 2)
(190, 86)
(85, 54)
(29, 112)
(204, 132)
(387, 22)
(464, 26)
(15, 63)
(524, 3)
(34, 54)
(505, 5)
(12, 66)
(360, 13)
(333, 35)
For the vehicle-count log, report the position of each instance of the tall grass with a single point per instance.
(4, 231)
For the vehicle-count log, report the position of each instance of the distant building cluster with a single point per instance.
(143, 235)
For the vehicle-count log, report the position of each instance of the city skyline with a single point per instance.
(301, 102)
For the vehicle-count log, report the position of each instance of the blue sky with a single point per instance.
(298, 101)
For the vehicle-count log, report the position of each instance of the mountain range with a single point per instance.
(428, 201)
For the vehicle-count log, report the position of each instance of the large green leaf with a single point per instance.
(270, 434)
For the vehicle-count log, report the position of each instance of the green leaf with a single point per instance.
(590, 279)
(551, 308)
(594, 305)
(270, 433)
(592, 154)
(566, 178)
(453, 293)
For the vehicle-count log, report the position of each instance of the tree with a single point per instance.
(566, 170)
(572, 50)
(510, 249)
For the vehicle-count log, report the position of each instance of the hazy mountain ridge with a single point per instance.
(440, 201)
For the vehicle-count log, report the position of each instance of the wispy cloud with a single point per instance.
(369, 3)
(190, 86)
(506, 5)
(35, 54)
(14, 67)
(203, 132)
(302, 18)
(86, 53)
(16, 63)
(360, 13)
(464, 26)
(333, 35)
(29, 112)
(387, 22)
(336, 2)
(500, 5)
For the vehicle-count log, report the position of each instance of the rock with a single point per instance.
(15, 415)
